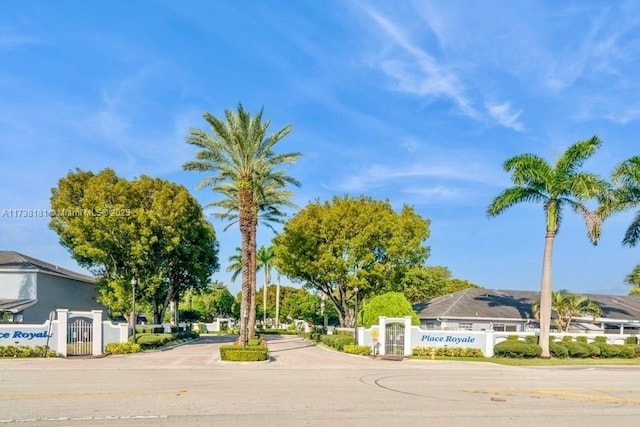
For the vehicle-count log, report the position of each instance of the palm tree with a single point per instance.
(567, 307)
(247, 175)
(235, 264)
(633, 279)
(556, 187)
(265, 260)
(626, 195)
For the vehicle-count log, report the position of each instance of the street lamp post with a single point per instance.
(134, 282)
(355, 323)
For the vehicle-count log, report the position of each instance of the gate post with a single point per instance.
(407, 336)
(97, 333)
(382, 339)
(63, 320)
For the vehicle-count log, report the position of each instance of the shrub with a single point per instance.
(153, 340)
(337, 341)
(517, 349)
(236, 353)
(362, 350)
(513, 338)
(26, 351)
(631, 340)
(391, 304)
(558, 350)
(123, 347)
(627, 351)
(580, 350)
(583, 340)
(600, 339)
(448, 352)
(531, 339)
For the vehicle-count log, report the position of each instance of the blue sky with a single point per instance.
(418, 102)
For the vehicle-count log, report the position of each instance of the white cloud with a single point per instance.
(416, 72)
(505, 116)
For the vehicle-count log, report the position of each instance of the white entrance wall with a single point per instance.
(485, 341)
(54, 333)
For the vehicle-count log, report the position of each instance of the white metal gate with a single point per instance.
(394, 339)
(80, 337)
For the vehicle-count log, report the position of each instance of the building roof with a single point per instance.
(15, 261)
(505, 304)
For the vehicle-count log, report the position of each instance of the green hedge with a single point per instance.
(447, 352)
(337, 341)
(558, 350)
(517, 349)
(236, 353)
(362, 350)
(26, 351)
(123, 347)
(581, 350)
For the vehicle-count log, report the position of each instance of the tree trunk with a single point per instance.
(545, 295)
(252, 309)
(245, 223)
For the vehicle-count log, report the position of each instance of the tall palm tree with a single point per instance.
(556, 187)
(626, 195)
(246, 173)
(265, 261)
(235, 264)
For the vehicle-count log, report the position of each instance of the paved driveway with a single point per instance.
(306, 385)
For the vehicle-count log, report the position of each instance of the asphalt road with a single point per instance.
(306, 385)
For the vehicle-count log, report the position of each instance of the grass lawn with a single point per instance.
(538, 362)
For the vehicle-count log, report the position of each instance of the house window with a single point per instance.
(465, 326)
(501, 327)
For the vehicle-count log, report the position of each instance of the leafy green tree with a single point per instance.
(215, 301)
(335, 247)
(557, 187)
(567, 307)
(246, 173)
(391, 304)
(146, 228)
(426, 282)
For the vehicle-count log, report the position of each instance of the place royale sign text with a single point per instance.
(24, 335)
(447, 339)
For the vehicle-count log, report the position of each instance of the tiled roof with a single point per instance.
(11, 260)
(505, 304)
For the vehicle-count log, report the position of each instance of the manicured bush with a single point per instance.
(581, 350)
(531, 339)
(558, 350)
(626, 351)
(391, 304)
(153, 340)
(600, 339)
(278, 331)
(337, 341)
(362, 350)
(236, 353)
(517, 349)
(607, 350)
(631, 340)
(26, 351)
(447, 352)
(123, 347)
